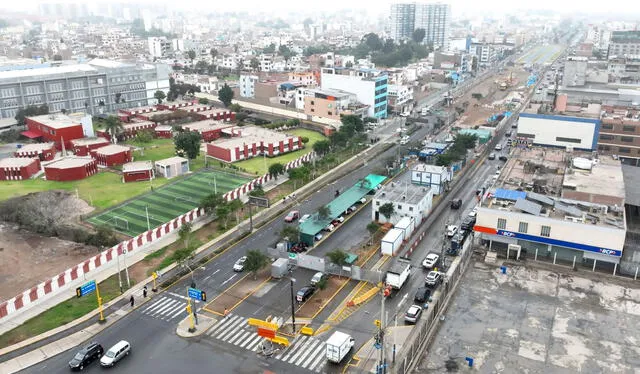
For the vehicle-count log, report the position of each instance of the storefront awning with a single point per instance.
(31, 134)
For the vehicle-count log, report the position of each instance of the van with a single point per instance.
(492, 156)
(423, 111)
(404, 140)
(116, 353)
(317, 277)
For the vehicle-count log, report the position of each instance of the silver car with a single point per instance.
(413, 314)
(116, 353)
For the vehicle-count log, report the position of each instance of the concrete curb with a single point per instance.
(204, 323)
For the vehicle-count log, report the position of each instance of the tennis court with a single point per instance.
(166, 202)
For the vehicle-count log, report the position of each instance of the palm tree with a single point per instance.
(113, 127)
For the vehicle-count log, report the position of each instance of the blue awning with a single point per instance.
(512, 195)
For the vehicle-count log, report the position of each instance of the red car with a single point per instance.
(292, 216)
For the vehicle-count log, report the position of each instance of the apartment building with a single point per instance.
(575, 71)
(247, 85)
(401, 23)
(624, 69)
(159, 47)
(624, 43)
(435, 19)
(400, 98)
(332, 104)
(99, 86)
(369, 85)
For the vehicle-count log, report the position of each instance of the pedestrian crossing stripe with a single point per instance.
(305, 352)
(165, 308)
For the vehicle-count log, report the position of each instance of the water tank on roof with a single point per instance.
(582, 163)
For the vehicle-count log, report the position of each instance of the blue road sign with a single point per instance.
(197, 294)
(377, 345)
(86, 288)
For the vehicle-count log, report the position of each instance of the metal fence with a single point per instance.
(420, 337)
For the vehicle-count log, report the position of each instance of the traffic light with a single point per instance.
(79, 292)
(203, 295)
(377, 323)
(377, 338)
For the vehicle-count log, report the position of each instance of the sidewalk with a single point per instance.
(368, 356)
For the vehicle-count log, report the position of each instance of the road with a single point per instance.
(151, 328)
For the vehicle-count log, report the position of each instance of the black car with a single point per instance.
(468, 223)
(502, 158)
(456, 203)
(85, 356)
(304, 293)
(422, 295)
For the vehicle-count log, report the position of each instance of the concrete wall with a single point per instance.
(549, 130)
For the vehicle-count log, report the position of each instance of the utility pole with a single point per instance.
(126, 269)
(293, 310)
(119, 275)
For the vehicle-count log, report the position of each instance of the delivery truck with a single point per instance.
(398, 273)
(338, 345)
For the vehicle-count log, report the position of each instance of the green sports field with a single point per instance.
(167, 202)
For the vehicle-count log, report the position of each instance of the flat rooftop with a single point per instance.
(171, 161)
(37, 147)
(553, 183)
(137, 166)
(56, 121)
(196, 107)
(405, 192)
(159, 112)
(252, 134)
(112, 149)
(209, 125)
(89, 141)
(70, 162)
(136, 124)
(425, 168)
(213, 111)
(15, 162)
(64, 69)
(140, 109)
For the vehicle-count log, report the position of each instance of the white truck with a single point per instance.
(338, 345)
(391, 242)
(398, 273)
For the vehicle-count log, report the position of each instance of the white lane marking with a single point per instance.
(159, 306)
(169, 305)
(230, 278)
(231, 331)
(312, 347)
(250, 340)
(240, 337)
(169, 312)
(318, 350)
(155, 304)
(254, 342)
(182, 310)
(316, 362)
(295, 347)
(404, 298)
(223, 322)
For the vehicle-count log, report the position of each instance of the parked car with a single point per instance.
(433, 279)
(317, 277)
(422, 295)
(503, 158)
(116, 353)
(304, 293)
(456, 203)
(339, 219)
(292, 216)
(498, 147)
(468, 222)
(318, 236)
(330, 227)
(404, 140)
(239, 265)
(413, 314)
(85, 356)
(430, 261)
(451, 230)
(351, 209)
(304, 218)
(492, 156)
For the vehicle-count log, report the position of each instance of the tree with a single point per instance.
(29, 111)
(324, 212)
(210, 202)
(103, 237)
(338, 257)
(418, 35)
(213, 52)
(257, 191)
(352, 121)
(113, 126)
(256, 260)
(322, 147)
(276, 169)
(291, 232)
(372, 227)
(225, 94)
(387, 210)
(300, 173)
(57, 58)
(159, 95)
(254, 63)
(185, 233)
(201, 66)
(271, 48)
(192, 55)
(222, 213)
(349, 64)
(203, 101)
(235, 108)
(187, 143)
(144, 136)
(372, 41)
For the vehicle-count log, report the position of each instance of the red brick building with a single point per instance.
(70, 168)
(209, 130)
(137, 171)
(112, 154)
(83, 147)
(164, 131)
(250, 141)
(14, 168)
(54, 128)
(41, 151)
(130, 129)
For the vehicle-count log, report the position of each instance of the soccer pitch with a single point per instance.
(167, 202)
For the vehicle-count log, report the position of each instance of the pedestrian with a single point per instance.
(131, 301)
(144, 291)
(226, 313)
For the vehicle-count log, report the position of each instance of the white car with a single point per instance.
(452, 230)
(430, 261)
(474, 212)
(404, 140)
(304, 218)
(115, 353)
(239, 265)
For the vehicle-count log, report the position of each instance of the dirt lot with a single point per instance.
(322, 297)
(28, 259)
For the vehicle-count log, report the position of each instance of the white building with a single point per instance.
(370, 87)
(247, 85)
(400, 98)
(579, 220)
(435, 19)
(401, 21)
(158, 46)
(408, 201)
(575, 71)
(559, 131)
(433, 176)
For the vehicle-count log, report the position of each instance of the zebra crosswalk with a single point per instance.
(304, 351)
(167, 307)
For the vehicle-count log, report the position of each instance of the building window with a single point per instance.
(502, 223)
(377, 203)
(624, 150)
(411, 209)
(607, 127)
(330, 113)
(626, 139)
(568, 140)
(312, 102)
(313, 110)
(523, 227)
(399, 207)
(603, 137)
(629, 128)
(545, 231)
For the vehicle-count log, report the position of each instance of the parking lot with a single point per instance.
(537, 321)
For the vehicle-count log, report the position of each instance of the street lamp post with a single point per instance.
(293, 313)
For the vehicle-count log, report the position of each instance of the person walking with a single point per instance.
(226, 313)
(144, 291)
(131, 301)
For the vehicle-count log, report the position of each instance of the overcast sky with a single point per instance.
(499, 6)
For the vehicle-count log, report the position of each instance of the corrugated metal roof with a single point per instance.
(528, 207)
(504, 194)
(540, 198)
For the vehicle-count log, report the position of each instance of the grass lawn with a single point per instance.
(62, 313)
(160, 149)
(101, 190)
(256, 165)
